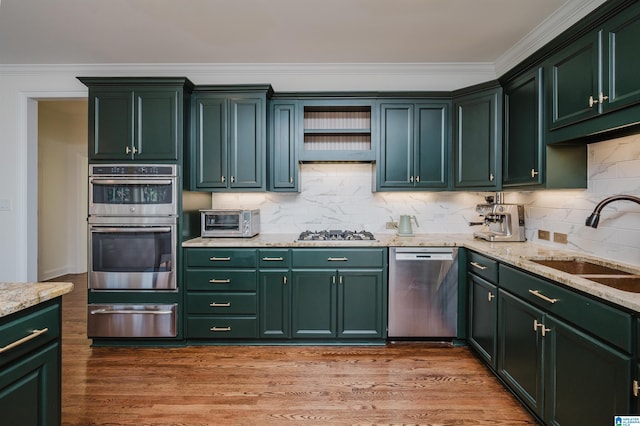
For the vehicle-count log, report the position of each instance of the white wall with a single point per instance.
(62, 189)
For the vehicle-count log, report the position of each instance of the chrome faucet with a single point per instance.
(594, 218)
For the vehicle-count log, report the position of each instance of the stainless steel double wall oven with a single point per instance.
(132, 277)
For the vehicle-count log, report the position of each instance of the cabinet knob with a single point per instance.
(592, 101)
(534, 173)
(490, 296)
(602, 97)
(491, 177)
(129, 150)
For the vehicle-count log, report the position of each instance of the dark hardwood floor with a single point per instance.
(274, 385)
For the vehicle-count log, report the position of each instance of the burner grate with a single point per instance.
(336, 235)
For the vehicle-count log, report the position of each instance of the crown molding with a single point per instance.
(562, 19)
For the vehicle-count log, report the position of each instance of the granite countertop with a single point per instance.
(513, 253)
(15, 297)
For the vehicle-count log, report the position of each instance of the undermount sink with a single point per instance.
(611, 277)
(580, 267)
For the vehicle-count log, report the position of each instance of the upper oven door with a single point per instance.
(132, 256)
(149, 196)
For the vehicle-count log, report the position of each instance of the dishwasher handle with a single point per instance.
(408, 256)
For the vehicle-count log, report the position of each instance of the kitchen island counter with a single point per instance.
(518, 254)
(15, 297)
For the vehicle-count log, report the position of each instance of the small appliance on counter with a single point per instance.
(502, 222)
(404, 225)
(229, 223)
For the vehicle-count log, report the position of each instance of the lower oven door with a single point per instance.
(128, 320)
(132, 253)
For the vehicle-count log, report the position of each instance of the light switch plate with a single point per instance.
(559, 237)
(543, 235)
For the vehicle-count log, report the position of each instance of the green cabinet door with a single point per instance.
(247, 142)
(483, 318)
(586, 381)
(432, 145)
(621, 66)
(524, 146)
(573, 82)
(478, 139)
(229, 140)
(313, 303)
(414, 145)
(139, 119)
(274, 310)
(30, 389)
(157, 125)
(360, 304)
(211, 147)
(520, 349)
(282, 158)
(110, 124)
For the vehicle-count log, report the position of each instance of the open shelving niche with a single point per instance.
(337, 133)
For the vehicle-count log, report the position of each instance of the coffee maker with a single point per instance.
(501, 222)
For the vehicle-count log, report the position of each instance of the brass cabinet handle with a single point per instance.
(592, 101)
(636, 388)
(222, 179)
(290, 179)
(216, 281)
(534, 173)
(214, 328)
(220, 305)
(417, 179)
(284, 280)
(491, 177)
(223, 259)
(602, 97)
(128, 150)
(490, 296)
(233, 179)
(337, 259)
(542, 296)
(273, 259)
(25, 339)
(479, 266)
(411, 179)
(340, 280)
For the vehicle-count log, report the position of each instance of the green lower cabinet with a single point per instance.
(338, 304)
(313, 304)
(565, 376)
(586, 381)
(520, 350)
(274, 307)
(30, 389)
(483, 314)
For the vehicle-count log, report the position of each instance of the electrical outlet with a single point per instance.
(392, 225)
(5, 205)
(543, 235)
(559, 237)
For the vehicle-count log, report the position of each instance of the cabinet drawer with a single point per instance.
(21, 333)
(482, 266)
(221, 279)
(597, 318)
(338, 258)
(221, 303)
(274, 258)
(222, 327)
(224, 258)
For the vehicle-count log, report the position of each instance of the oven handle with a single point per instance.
(132, 181)
(112, 229)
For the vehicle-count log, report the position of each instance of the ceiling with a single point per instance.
(269, 31)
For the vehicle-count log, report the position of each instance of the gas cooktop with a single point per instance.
(336, 235)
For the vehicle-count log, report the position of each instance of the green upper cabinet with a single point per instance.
(228, 147)
(414, 145)
(593, 81)
(139, 119)
(478, 137)
(523, 149)
(282, 161)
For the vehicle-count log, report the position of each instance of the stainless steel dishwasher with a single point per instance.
(423, 292)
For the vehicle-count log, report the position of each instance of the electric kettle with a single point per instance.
(404, 225)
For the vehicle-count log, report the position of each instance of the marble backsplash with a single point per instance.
(340, 196)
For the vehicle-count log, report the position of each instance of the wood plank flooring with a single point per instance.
(274, 385)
